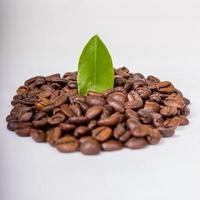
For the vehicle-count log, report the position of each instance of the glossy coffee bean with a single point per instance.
(93, 112)
(90, 147)
(111, 145)
(38, 135)
(95, 100)
(56, 119)
(136, 143)
(102, 133)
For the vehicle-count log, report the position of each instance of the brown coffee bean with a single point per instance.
(168, 111)
(95, 100)
(56, 119)
(48, 109)
(40, 120)
(132, 123)
(183, 120)
(118, 96)
(119, 130)
(78, 120)
(172, 122)
(25, 116)
(67, 111)
(76, 109)
(23, 132)
(72, 84)
(154, 136)
(163, 84)
(67, 144)
(61, 99)
(157, 119)
(38, 135)
(41, 103)
(111, 145)
(185, 111)
(116, 105)
(175, 101)
(141, 131)
(112, 120)
(167, 132)
(152, 107)
(93, 112)
(131, 113)
(145, 116)
(45, 94)
(12, 125)
(107, 111)
(52, 77)
(135, 101)
(168, 89)
(22, 89)
(136, 143)
(57, 110)
(90, 147)
(92, 124)
(83, 106)
(84, 138)
(125, 136)
(92, 93)
(108, 92)
(144, 92)
(119, 81)
(80, 131)
(102, 133)
(67, 127)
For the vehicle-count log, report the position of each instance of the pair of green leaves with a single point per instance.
(95, 68)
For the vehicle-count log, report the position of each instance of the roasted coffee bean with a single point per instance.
(52, 77)
(157, 119)
(112, 120)
(116, 105)
(145, 116)
(23, 132)
(183, 120)
(123, 72)
(95, 100)
(78, 120)
(118, 96)
(185, 111)
(119, 130)
(67, 111)
(175, 100)
(102, 133)
(25, 117)
(107, 111)
(119, 81)
(38, 135)
(92, 124)
(22, 89)
(120, 89)
(152, 107)
(167, 132)
(67, 127)
(76, 109)
(134, 104)
(72, 84)
(60, 100)
(154, 136)
(131, 113)
(40, 120)
(56, 119)
(83, 106)
(107, 92)
(111, 145)
(144, 92)
(168, 111)
(57, 110)
(137, 76)
(124, 137)
(141, 131)
(41, 103)
(136, 143)
(90, 147)
(172, 122)
(84, 138)
(12, 125)
(93, 112)
(152, 79)
(132, 123)
(92, 93)
(48, 109)
(80, 131)
(44, 94)
(67, 144)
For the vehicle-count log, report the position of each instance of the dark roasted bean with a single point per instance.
(167, 132)
(111, 145)
(118, 96)
(38, 135)
(23, 132)
(154, 136)
(93, 112)
(67, 127)
(78, 120)
(90, 147)
(168, 111)
(95, 100)
(67, 111)
(116, 105)
(152, 107)
(183, 120)
(92, 124)
(102, 133)
(80, 131)
(56, 119)
(132, 123)
(172, 122)
(136, 143)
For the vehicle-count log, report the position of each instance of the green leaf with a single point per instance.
(95, 68)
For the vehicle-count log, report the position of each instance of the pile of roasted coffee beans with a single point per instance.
(137, 112)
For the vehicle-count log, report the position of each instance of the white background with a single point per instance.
(150, 36)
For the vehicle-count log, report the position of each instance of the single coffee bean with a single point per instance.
(67, 111)
(134, 103)
(157, 119)
(41, 103)
(56, 119)
(154, 136)
(25, 117)
(95, 100)
(84, 138)
(125, 136)
(131, 113)
(61, 99)
(183, 120)
(67, 144)
(112, 120)
(174, 100)
(132, 123)
(168, 89)
(185, 111)
(56, 110)
(93, 112)
(44, 94)
(83, 106)
(92, 124)
(108, 92)
(136, 143)
(48, 109)
(119, 130)
(141, 131)
(22, 89)
(67, 127)
(78, 120)
(23, 132)
(107, 111)
(167, 132)
(119, 81)
(172, 122)
(90, 147)
(80, 131)
(168, 111)
(118, 96)
(102, 133)
(52, 77)
(92, 93)
(76, 109)
(72, 84)
(111, 145)
(145, 116)
(144, 92)
(118, 107)
(152, 107)
(38, 135)
(12, 126)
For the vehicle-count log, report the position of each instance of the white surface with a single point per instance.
(149, 36)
